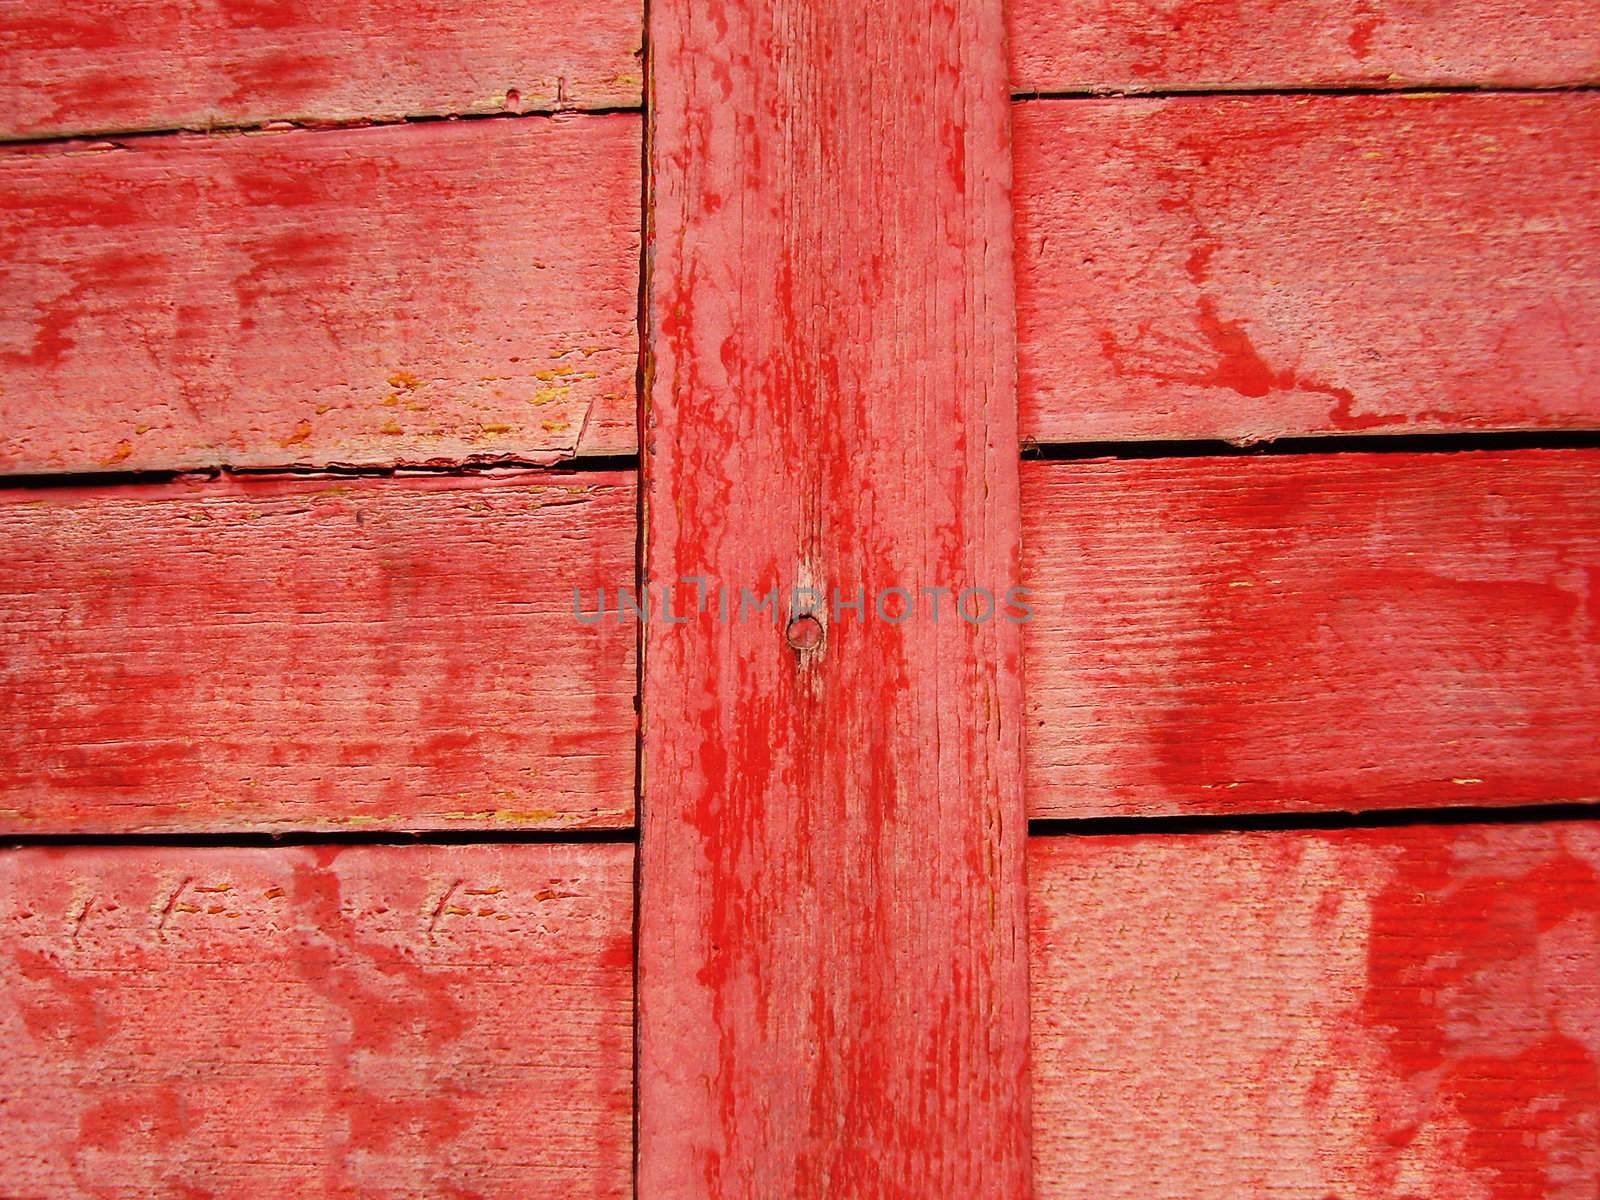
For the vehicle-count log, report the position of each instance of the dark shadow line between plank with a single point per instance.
(1226, 92)
(76, 479)
(644, 374)
(1109, 92)
(1395, 443)
(1289, 822)
(290, 125)
(245, 839)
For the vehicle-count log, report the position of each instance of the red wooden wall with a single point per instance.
(323, 812)
(289, 639)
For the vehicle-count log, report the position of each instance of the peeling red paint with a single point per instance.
(1196, 44)
(1312, 632)
(317, 1036)
(1250, 268)
(187, 301)
(1376, 1014)
(830, 992)
(258, 654)
(147, 64)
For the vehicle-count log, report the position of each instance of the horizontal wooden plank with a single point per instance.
(290, 1022)
(117, 65)
(389, 653)
(1129, 45)
(1313, 632)
(1259, 267)
(1298, 1016)
(438, 293)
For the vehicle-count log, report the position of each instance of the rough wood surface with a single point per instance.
(1297, 632)
(1267, 266)
(1359, 1014)
(433, 293)
(832, 959)
(1079, 45)
(118, 65)
(284, 1023)
(315, 654)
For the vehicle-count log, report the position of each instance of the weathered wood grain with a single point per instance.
(1268, 266)
(296, 1022)
(832, 949)
(1131, 45)
(435, 293)
(119, 65)
(1362, 1014)
(1313, 632)
(315, 654)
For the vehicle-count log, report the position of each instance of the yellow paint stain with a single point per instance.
(123, 450)
(302, 432)
(510, 816)
(549, 394)
(275, 893)
(555, 426)
(390, 427)
(404, 379)
(488, 428)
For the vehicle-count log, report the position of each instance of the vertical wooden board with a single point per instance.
(1313, 632)
(1260, 267)
(283, 1023)
(316, 654)
(1134, 45)
(118, 65)
(422, 294)
(832, 967)
(1361, 1014)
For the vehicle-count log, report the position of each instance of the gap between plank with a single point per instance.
(1269, 822)
(1248, 90)
(642, 372)
(75, 479)
(287, 125)
(1039, 827)
(1032, 451)
(245, 839)
(1392, 443)
(641, 387)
